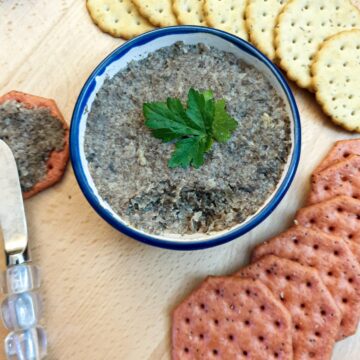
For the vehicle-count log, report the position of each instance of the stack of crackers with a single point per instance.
(129, 18)
(300, 294)
(317, 43)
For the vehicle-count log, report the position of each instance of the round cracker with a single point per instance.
(189, 12)
(301, 28)
(227, 15)
(336, 72)
(57, 160)
(261, 18)
(118, 18)
(158, 12)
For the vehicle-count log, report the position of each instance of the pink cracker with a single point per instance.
(340, 273)
(231, 318)
(315, 316)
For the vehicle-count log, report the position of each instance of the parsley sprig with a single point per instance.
(193, 129)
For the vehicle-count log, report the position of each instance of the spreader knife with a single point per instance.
(21, 308)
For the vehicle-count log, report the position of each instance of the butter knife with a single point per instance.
(21, 309)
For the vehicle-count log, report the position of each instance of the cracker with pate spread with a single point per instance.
(38, 135)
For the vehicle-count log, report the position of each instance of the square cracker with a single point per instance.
(340, 151)
(342, 178)
(315, 316)
(119, 19)
(301, 28)
(340, 274)
(231, 318)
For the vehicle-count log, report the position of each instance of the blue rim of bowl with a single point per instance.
(191, 244)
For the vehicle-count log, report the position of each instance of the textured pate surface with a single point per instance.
(32, 135)
(129, 166)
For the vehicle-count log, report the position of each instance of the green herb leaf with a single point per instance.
(189, 151)
(194, 129)
(223, 125)
(159, 116)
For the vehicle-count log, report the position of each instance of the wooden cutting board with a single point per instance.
(106, 295)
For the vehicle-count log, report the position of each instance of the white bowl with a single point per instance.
(139, 48)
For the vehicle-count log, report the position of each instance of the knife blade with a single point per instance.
(12, 213)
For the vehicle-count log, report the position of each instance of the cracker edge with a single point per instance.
(314, 72)
(56, 173)
(337, 143)
(278, 51)
(209, 21)
(254, 41)
(152, 19)
(178, 16)
(123, 35)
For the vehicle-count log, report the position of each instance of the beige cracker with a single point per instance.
(158, 12)
(189, 12)
(336, 74)
(227, 15)
(120, 19)
(302, 27)
(261, 18)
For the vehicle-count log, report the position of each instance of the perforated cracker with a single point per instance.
(336, 71)
(342, 178)
(339, 216)
(315, 316)
(118, 18)
(231, 318)
(189, 12)
(340, 151)
(301, 28)
(227, 15)
(158, 12)
(340, 273)
(261, 16)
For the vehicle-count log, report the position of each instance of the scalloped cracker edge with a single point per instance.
(261, 16)
(189, 12)
(336, 71)
(227, 15)
(301, 28)
(119, 19)
(158, 12)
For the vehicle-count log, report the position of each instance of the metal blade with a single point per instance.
(12, 214)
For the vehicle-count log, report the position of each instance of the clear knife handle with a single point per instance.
(21, 311)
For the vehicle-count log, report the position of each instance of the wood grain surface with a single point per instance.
(107, 296)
